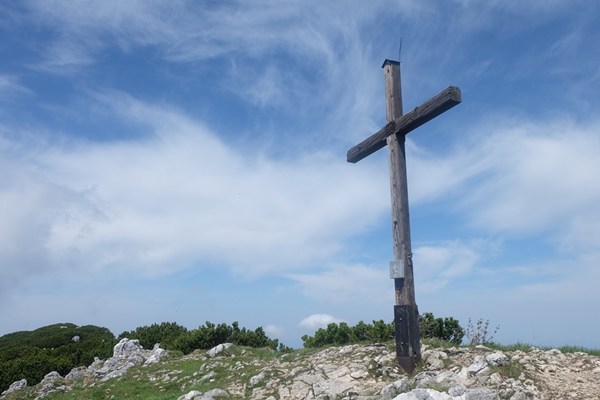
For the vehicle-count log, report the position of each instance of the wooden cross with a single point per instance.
(406, 313)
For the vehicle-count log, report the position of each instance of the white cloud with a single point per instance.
(437, 265)
(292, 56)
(178, 199)
(274, 331)
(523, 177)
(432, 176)
(347, 284)
(10, 86)
(539, 177)
(316, 321)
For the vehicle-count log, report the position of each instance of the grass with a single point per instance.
(575, 349)
(511, 370)
(519, 346)
(437, 343)
(178, 375)
(526, 347)
(174, 377)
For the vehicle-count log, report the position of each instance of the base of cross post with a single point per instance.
(408, 347)
(408, 364)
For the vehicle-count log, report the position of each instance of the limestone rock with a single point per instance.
(219, 349)
(18, 385)
(352, 372)
(51, 383)
(431, 394)
(424, 394)
(256, 379)
(210, 395)
(156, 356)
(434, 359)
(209, 376)
(393, 389)
(477, 365)
(480, 394)
(190, 395)
(51, 377)
(215, 393)
(497, 359)
(127, 348)
(126, 354)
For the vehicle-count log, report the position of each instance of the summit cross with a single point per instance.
(393, 134)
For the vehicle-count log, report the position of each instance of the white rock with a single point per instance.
(495, 378)
(76, 374)
(478, 364)
(213, 394)
(156, 356)
(435, 359)
(51, 376)
(18, 385)
(519, 396)
(127, 348)
(393, 389)
(424, 394)
(496, 359)
(190, 395)
(209, 376)
(458, 390)
(218, 349)
(479, 394)
(359, 374)
(256, 379)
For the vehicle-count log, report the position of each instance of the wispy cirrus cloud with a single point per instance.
(441, 263)
(11, 86)
(523, 177)
(539, 176)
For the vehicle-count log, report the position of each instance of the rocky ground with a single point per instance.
(349, 372)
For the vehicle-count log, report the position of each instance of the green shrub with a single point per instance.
(32, 354)
(340, 334)
(165, 333)
(447, 329)
(176, 337)
(210, 335)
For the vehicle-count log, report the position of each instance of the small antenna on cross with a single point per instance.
(400, 51)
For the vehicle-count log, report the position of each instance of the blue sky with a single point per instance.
(186, 161)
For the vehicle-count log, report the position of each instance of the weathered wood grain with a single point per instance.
(402, 125)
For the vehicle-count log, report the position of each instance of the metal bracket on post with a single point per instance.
(397, 269)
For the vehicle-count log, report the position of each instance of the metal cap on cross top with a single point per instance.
(392, 135)
(391, 62)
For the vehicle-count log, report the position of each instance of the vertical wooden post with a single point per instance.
(406, 314)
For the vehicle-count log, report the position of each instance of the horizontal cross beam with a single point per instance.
(433, 107)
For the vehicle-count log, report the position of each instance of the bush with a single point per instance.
(165, 333)
(32, 354)
(205, 336)
(447, 329)
(176, 337)
(340, 334)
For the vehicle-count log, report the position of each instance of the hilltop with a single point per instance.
(345, 372)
